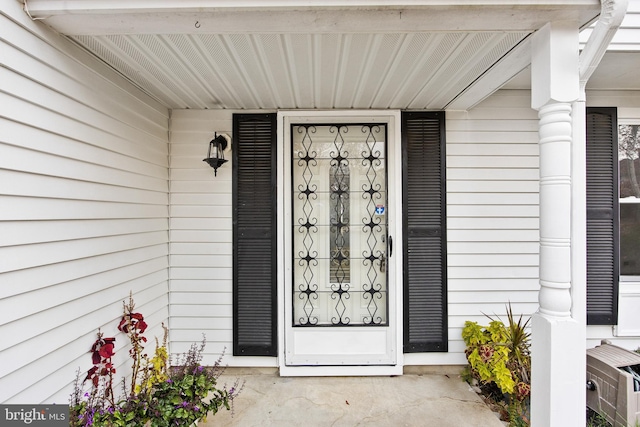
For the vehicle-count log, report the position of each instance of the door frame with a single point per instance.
(392, 118)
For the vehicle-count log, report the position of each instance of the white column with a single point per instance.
(555, 209)
(557, 337)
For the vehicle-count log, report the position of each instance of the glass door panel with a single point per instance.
(339, 225)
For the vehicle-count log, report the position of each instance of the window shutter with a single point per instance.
(602, 216)
(254, 235)
(424, 223)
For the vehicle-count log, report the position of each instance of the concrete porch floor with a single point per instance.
(418, 399)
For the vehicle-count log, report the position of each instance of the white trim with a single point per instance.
(281, 224)
(628, 299)
(627, 121)
(104, 17)
(494, 78)
(339, 371)
(60, 7)
(579, 214)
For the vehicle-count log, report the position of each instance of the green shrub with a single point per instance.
(500, 354)
(158, 395)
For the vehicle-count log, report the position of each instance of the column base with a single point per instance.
(558, 367)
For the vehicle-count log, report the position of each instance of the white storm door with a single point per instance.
(341, 289)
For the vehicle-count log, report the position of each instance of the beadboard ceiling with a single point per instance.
(271, 54)
(249, 71)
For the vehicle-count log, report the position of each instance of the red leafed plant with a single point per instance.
(161, 395)
(101, 352)
(133, 325)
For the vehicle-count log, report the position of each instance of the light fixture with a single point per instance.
(215, 156)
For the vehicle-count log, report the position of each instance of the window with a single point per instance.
(629, 171)
(339, 242)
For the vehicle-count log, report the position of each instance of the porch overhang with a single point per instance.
(101, 17)
(314, 54)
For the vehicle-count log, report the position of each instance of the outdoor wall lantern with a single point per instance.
(217, 145)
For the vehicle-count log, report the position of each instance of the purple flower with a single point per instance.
(169, 381)
(90, 417)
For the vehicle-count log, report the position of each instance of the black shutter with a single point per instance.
(425, 263)
(602, 216)
(254, 235)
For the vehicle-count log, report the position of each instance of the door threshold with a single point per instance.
(340, 371)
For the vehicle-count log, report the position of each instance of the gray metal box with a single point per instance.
(610, 391)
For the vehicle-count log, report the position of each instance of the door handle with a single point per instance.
(390, 245)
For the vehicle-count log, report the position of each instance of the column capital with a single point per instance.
(555, 67)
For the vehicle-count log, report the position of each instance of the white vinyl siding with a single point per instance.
(201, 299)
(492, 215)
(201, 237)
(83, 209)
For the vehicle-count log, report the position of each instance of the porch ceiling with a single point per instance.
(250, 71)
(290, 54)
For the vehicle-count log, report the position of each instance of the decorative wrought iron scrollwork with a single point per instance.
(307, 226)
(340, 293)
(339, 239)
(371, 192)
(333, 166)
